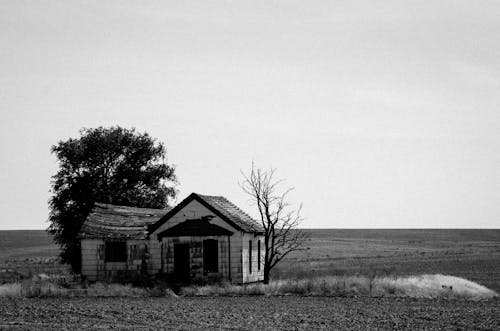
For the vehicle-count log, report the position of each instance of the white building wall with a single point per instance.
(94, 266)
(154, 248)
(90, 257)
(256, 274)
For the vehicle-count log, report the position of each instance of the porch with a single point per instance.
(196, 251)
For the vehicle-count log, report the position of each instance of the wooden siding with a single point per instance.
(255, 275)
(192, 210)
(91, 259)
(154, 265)
(226, 253)
(95, 268)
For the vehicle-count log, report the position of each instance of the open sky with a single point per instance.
(381, 114)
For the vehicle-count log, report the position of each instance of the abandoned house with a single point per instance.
(202, 239)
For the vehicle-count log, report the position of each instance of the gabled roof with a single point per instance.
(221, 207)
(195, 227)
(119, 222)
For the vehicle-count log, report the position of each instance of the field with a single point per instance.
(471, 254)
(268, 313)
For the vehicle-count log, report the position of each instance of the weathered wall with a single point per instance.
(91, 259)
(225, 254)
(94, 266)
(195, 210)
(253, 275)
(236, 249)
(154, 247)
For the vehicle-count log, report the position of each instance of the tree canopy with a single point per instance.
(110, 165)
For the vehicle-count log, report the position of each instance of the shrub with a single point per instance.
(10, 290)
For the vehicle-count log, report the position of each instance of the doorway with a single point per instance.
(210, 256)
(181, 262)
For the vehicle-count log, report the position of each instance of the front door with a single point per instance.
(181, 262)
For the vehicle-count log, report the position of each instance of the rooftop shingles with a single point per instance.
(232, 212)
(119, 222)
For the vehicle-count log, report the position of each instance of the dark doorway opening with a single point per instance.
(210, 256)
(181, 262)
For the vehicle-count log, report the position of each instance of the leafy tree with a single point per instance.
(279, 220)
(110, 165)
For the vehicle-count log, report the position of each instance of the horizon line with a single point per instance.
(329, 229)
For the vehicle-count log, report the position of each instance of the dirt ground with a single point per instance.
(248, 313)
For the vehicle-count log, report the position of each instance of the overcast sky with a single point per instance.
(381, 114)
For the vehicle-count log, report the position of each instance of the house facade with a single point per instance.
(202, 239)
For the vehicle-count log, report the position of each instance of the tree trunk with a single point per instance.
(266, 274)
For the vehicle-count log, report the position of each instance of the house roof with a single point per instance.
(119, 222)
(221, 207)
(195, 227)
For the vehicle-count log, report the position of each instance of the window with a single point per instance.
(250, 256)
(115, 251)
(137, 252)
(258, 255)
(210, 255)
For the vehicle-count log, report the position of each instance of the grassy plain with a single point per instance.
(28, 252)
(471, 254)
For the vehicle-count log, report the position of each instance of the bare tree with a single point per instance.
(279, 220)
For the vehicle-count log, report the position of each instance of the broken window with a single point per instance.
(137, 252)
(250, 256)
(210, 255)
(258, 255)
(115, 251)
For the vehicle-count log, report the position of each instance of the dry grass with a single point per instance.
(28, 289)
(10, 290)
(387, 258)
(424, 286)
(432, 286)
(46, 289)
